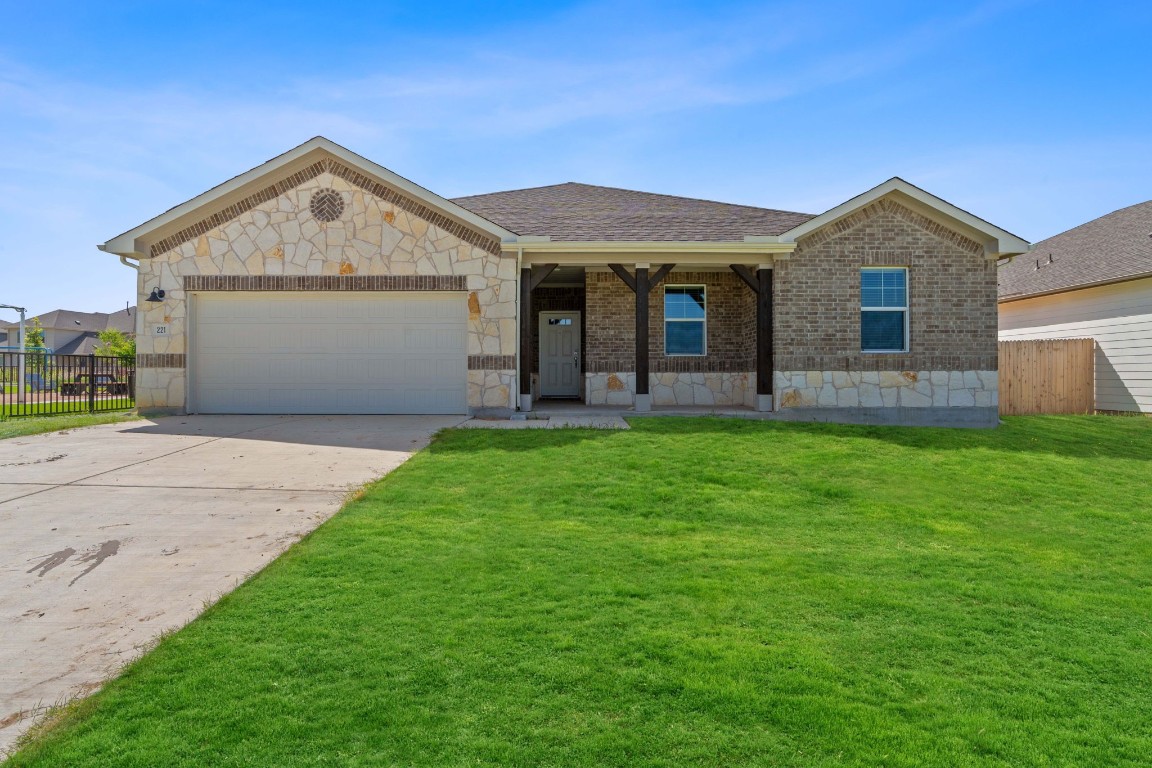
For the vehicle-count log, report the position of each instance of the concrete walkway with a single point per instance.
(599, 421)
(110, 535)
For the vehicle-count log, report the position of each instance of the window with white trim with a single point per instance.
(884, 309)
(685, 321)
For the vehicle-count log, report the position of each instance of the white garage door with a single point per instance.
(329, 353)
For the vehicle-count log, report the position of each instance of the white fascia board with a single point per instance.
(648, 247)
(997, 242)
(1078, 287)
(600, 253)
(134, 243)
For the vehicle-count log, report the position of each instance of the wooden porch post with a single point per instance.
(764, 340)
(526, 339)
(643, 398)
(761, 285)
(641, 283)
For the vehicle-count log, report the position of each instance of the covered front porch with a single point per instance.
(692, 337)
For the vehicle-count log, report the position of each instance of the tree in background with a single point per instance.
(114, 343)
(34, 333)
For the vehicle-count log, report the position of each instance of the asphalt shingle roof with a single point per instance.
(581, 212)
(66, 319)
(1110, 248)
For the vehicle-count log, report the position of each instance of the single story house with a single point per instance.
(1092, 281)
(72, 333)
(321, 282)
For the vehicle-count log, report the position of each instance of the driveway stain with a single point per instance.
(38, 461)
(106, 550)
(53, 560)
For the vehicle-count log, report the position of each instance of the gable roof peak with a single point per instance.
(997, 242)
(137, 242)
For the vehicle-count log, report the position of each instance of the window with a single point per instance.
(684, 320)
(884, 309)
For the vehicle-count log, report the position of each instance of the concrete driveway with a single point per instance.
(111, 535)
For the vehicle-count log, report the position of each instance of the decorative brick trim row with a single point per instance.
(886, 363)
(671, 365)
(672, 278)
(491, 362)
(273, 191)
(699, 365)
(166, 360)
(238, 208)
(325, 282)
(468, 235)
(889, 206)
(596, 365)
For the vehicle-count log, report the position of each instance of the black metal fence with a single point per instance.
(44, 384)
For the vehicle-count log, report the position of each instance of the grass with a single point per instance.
(692, 592)
(19, 427)
(52, 407)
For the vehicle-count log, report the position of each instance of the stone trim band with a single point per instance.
(403, 202)
(164, 360)
(325, 282)
(491, 362)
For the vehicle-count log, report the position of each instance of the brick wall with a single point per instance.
(951, 293)
(610, 327)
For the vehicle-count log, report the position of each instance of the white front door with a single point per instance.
(560, 354)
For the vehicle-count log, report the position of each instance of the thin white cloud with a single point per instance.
(585, 92)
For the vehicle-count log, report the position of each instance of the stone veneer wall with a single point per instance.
(380, 233)
(887, 389)
(669, 388)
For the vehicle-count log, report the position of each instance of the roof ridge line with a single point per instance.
(637, 192)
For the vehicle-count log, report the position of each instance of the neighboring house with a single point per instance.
(72, 333)
(1092, 281)
(321, 282)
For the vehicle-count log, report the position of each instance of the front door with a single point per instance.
(560, 354)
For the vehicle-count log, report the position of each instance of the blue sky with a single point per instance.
(1034, 115)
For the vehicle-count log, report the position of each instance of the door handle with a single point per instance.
(576, 359)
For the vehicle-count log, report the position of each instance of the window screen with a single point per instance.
(884, 309)
(684, 320)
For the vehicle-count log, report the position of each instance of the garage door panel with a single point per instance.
(309, 353)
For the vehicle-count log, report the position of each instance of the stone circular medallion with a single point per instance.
(327, 204)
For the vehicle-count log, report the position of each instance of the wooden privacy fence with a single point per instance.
(1047, 376)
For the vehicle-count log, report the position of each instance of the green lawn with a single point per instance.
(34, 425)
(693, 592)
(51, 407)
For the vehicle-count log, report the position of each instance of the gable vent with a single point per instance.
(327, 205)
